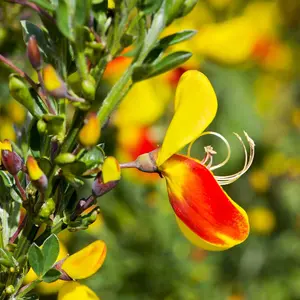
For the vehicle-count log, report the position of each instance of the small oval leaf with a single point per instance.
(50, 251)
(36, 259)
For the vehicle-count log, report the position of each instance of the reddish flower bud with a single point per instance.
(53, 84)
(33, 53)
(99, 188)
(11, 161)
(36, 175)
(90, 132)
(5, 145)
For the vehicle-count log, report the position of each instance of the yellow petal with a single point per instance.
(76, 291)
(195, 108)
(85, 262)
(111, 170)
(206, 215)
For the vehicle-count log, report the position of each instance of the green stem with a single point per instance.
(27, 288)
(114, 96)
(121, 88)
(75, 128)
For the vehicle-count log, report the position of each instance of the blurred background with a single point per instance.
(250, 52)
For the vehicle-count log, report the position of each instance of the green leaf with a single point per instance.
(34, 138)
(51, 276)
(50, 251)
(75, 168)
(55, 124)
(82, 11)
(29, 297)
(168, 41)
(93, 157)
(64, 19)
(176, 38)
(36, 259)
(7, 179)
(73, 180)
(168, 63)
(41, 36)
(149, 6)
(44, 4)
(45, 164)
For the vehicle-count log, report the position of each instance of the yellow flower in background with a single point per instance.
(143, 104)
(259, 180)
(85, 262)
(262, 220)
(250, 36)
(7, 130)
(76, 291)
(16, 112)
(220, 4)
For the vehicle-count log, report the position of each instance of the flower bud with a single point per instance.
(36, 175)
(10, 290)
(20, 92)
(111, 170)
(188, 6)
(90, 132)
(41, 126)
(11, 161)
(46, 211)
(65, 158)
(33, 53)
(53, 84)
(147, 162)
(5, 145)
(99, 188)
(89, 88)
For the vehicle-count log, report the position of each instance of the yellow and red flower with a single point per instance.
(204, 212)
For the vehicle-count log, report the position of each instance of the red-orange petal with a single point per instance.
(205, 213)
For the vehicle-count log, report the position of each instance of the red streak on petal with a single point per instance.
(175, 75)
(203, 205)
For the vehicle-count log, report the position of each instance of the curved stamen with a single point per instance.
(210, 162)
(223, 180)
(206, 150)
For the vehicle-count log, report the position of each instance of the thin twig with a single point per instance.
(20, 188)
(19, 71)
(19, 229)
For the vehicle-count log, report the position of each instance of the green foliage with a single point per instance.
(42, 259)
(36, 259)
